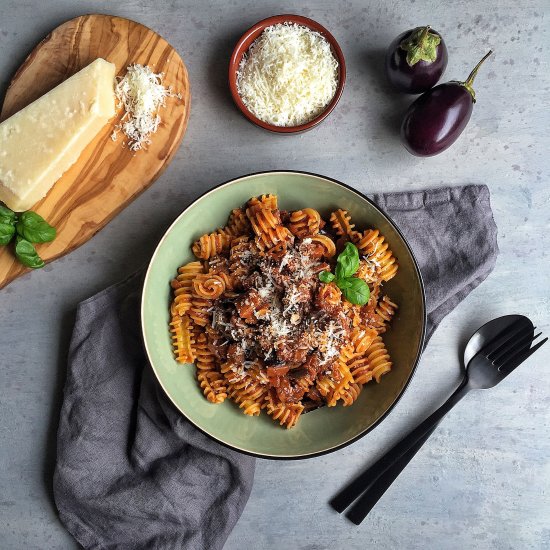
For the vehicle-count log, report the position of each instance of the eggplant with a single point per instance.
(434, 121)
(416, 59)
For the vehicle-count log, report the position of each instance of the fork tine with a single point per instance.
(507, 341)
(521, 342)
(520, 349)
(517, 360)
(503, 337)
(524, 347)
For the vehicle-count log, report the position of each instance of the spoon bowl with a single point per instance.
(496, 349)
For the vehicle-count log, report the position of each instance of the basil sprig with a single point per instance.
(355, 290)
(27, 228)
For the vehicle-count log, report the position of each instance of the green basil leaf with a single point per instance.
(7, 231)
(326, 276)
(358, 292)
(7, 215)
(343, 283)
(348, 262)
(35, 228)
(26, 254)
(346, 265)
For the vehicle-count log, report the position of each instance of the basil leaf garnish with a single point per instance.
(348, 262)
(26, 254)
(326, 276)
(354, 290)
(7, 231)
(7, 215)
(344, 283)
(34, 228)
(8, 220)
(357, 291)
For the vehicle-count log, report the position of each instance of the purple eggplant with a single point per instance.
(416, 60)
(434, 121)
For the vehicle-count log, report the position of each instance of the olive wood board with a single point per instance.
(107, 176)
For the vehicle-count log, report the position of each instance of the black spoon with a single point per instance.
(492, 352)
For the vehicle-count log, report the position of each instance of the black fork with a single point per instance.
(496, 360)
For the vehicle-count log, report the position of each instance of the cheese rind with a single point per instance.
(43, 140)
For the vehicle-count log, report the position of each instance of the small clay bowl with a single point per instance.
(242, 47)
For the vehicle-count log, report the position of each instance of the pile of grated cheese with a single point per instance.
(142, 94)
(288, 76)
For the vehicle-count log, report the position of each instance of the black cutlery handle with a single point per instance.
(365, 481)
(359, 511)
(419, 435)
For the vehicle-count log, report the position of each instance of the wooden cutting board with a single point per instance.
(107, 176)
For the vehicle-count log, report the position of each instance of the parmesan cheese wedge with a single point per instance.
(43, 140)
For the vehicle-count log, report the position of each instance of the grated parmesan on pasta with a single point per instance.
(142, 94)
(288, 76)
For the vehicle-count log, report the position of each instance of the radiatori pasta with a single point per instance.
(261, 327)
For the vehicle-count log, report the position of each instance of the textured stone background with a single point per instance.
(482, 481)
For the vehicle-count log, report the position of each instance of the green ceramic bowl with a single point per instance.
(325, 429)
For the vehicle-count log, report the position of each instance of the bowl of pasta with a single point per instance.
(283, 313)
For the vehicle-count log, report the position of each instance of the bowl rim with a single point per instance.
(419, 350)
(235, 60)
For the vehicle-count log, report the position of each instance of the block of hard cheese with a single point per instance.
(43, 140)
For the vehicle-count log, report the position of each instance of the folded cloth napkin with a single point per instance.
(132, 473)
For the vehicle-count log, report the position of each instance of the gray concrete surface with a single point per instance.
(482, 481)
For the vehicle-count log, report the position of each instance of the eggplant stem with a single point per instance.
(468, 84)
(424, 34)
(421, 45)
(473, 74)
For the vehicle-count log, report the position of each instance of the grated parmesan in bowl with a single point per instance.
(289, 75)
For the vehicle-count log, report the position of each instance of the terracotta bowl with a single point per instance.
(242, 47)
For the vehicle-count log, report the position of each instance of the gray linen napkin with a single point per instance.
(132, 473)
